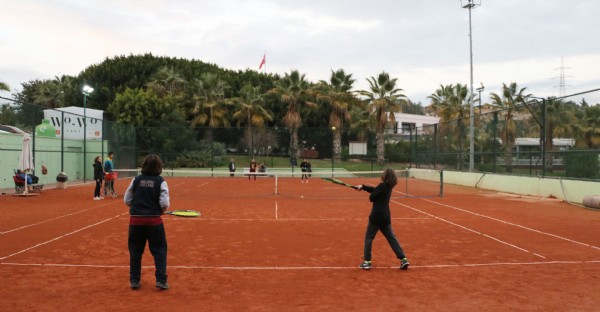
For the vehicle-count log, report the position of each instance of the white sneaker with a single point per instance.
(96, 198)
(100, 197)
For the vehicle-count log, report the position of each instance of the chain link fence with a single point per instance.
(510, 142)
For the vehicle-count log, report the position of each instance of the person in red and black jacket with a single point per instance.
(380, 218)
(252, 170)
(148, 198)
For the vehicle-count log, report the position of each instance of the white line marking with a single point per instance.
(468, 229)
(62, 236)
(279, 219)
(276, 211)
(513, 224)
(42, 222)
(290, 268)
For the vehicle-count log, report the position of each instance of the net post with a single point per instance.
(441, 183)
(406, 174)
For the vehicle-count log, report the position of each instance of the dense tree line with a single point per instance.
(150, 92)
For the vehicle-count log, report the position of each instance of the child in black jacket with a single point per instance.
(380, 218)
(148, 198)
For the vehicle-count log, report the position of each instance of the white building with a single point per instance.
(405, 123)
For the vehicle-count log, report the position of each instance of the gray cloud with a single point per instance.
(423, 43)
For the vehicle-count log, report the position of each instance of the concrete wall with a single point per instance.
(569, 190)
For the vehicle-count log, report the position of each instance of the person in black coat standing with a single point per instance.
(380, 218)
(231, 168)
(98, 177)
(305, 167)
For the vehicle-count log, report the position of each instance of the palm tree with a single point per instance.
(293, 89)
(510, 100)
(451, 103)
(362, 122)
(588, 127)
(4, 86)
(167, 81)
(559, 117)
(384, 100)
(337, 94)
(250, 109)
(51, 93)
(209, 102)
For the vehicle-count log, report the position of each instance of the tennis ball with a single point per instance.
(301, 196)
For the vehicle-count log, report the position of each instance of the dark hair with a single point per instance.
(152, 165)
(388, 176)
(111, 153)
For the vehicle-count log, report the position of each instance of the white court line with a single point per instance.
(470, 230)
(513, 224)
(276, 211)
(62, 236)
(42, 222)
(280, 219)
(296, 268)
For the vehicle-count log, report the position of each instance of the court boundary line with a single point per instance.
(513, 224)
(470, 230)
(52, 219)
(62, 236)
(298, 268)
(283, 219)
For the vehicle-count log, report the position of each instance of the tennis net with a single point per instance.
(293, 184)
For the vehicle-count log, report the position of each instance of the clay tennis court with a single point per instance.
(299, 250)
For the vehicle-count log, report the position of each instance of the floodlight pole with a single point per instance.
(86, 92)
(471, 4)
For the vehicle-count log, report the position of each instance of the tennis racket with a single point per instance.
(184, 213)
(336, 181)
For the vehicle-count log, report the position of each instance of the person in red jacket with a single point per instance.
(380, 218)
(252, 170)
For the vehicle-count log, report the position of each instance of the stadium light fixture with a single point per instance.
(480, 89)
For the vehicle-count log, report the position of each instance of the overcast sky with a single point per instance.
(424, 44)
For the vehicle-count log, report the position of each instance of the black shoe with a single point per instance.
(135, 285)
(162, 286)
(366, 265)
(404, 264)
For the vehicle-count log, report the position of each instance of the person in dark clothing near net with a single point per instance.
(380, 218)
(252, 170)
(98, 177)
(305, 167)
(148, 198)
(231, 168)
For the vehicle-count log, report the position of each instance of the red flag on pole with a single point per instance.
(263, 62)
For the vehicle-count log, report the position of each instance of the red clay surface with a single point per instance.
(251, 250)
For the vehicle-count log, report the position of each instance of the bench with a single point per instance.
(20, 186)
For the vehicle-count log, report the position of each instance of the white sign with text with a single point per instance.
(70, 121)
